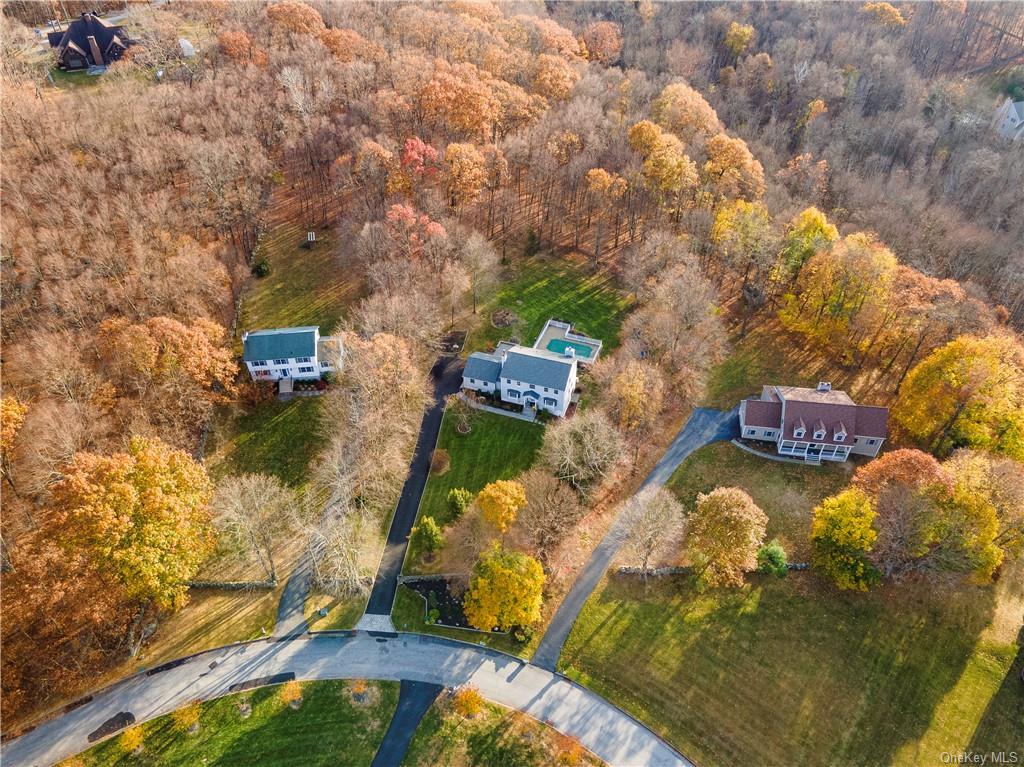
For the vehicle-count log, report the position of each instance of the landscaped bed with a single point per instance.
(330, 727)
(443, 599)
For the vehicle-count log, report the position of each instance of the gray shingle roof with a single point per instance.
(482, 367)
(280, 343)
(532, 368)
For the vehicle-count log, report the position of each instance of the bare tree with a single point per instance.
(253, 512)
(582, 450)
(652, 525)
(552, 508)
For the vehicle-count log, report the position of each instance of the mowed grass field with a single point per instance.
(794, 671)
(545, 288)
(497, 448)
(329, 728)
(496, 736)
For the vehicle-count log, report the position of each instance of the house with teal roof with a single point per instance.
(300, 354)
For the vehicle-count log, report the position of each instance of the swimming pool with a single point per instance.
(559, 345)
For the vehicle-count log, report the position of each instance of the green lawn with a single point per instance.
(498, 447)
(327, 729)
(304, 287)
(787, 492)
(274, 437)
(555, 288)
(341, 613)
(793, 671)
(496, 736)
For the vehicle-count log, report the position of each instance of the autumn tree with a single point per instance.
(466, 174)
(635, 401)
(603, 42)
(12, 416)
(807, 233)
(1000, 483)
(582, 450)
(504, 591)
(968, 393)
(428, 535)
(679, 329)
(842, 536)
(254, 513)
(731, 169)
(683, 111)
(500, 502)
(652, 525)
(481, 262)
(142, 516)
(294, 16)
(745, 239)
(606, 189)
(726, 529)
(738, 38)
(552, 509)
(553, 77)
(884, 14)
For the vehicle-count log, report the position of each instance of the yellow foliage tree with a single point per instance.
(468, 702)
(466, 173)
(842, 535)
(500, 502)
(141, 516)
(505, 591)
(738, 38)
(886, 14)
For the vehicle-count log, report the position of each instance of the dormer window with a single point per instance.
(819, 434)
(798, 432)
(840, 436)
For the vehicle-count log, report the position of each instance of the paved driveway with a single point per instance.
(610, 733)
(703, 427)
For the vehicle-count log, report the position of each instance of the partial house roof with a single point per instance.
(280, 343)
(78, 32)
(483, 367)
(804, 394)
(872, 421)
(537, 367)
(767, 415)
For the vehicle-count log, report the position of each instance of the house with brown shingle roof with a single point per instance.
(821, 424)
(88, 41)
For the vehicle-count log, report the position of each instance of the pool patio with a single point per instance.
(557, 337)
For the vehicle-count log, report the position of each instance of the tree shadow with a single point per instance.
(1001, 728)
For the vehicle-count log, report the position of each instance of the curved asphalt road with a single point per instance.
(611, 734)
(703, 427)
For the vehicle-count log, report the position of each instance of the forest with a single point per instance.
(823, 170)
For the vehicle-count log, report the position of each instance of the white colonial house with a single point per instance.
(301, 353)
(540, 377)
(1008, 120)
(821, 424)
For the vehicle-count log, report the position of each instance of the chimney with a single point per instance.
(824, 386)
(97, 55)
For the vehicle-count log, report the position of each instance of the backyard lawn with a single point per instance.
(304, 287)
(496, 736)
(794, 671)
(546, 288)
(768, 354)
(787, 492)
(274, 437)
(498, 447)
(329, 728)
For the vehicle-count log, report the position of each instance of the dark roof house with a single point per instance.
(88, 41)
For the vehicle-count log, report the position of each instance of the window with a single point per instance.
(798, 432)
(303, 359)
(840, 436)
(545, 388)
(280, 362)
(751, 432)
(519, 383)
(532, 386)
(306, 370)
(769, 434)
(819, 434)
(871, 441)
(259, 363)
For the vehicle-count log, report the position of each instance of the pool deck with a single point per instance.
(557, 331)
